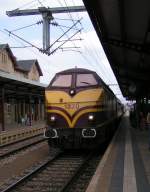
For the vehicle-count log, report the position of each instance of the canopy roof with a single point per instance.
(124, 30)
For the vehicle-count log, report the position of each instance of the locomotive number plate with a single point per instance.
(72, 106)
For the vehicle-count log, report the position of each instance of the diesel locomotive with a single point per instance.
(82, 112)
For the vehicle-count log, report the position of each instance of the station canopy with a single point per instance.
(123, 27)
(20, 88)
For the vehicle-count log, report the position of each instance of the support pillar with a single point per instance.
(24, 110)
(3, 109)
(39, 112)
(30, 105)
(47, 17)
(40, 109)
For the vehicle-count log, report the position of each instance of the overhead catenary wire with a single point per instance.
(97, 62)
(89, 62)
(17, 47)
(72, 19)
(40, 3)
(54, 24)
(45, 51)
(106, 72)
(95, 55)
(27, 4)
(68, 12)
(30, 49)
(76, 12)
(64, 32)
(99, 72)
(68, 47)
(11, 33)
(79, 39)
(64, 42)
(31, 2)
(65, 4)
(63, 49)
(37, 23)
(62, 35)
(66, 19)
(65, 26)
(4, 33)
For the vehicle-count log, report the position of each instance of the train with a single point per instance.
(81, 110)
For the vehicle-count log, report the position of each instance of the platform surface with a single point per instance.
(125, 166)
(19, 132)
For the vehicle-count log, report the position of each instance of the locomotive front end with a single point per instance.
(73, 104)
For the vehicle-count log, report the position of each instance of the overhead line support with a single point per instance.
(47, 17)
(54, 10)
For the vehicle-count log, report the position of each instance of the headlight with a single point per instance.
(52, 118)
(72, 92)
(91, 117)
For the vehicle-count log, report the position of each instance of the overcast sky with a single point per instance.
(89, 55)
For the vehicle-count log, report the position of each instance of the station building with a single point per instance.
(21, 93)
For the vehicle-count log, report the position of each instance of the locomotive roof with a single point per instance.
(76, 70)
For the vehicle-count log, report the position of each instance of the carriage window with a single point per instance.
(62, 81)
(84, 80)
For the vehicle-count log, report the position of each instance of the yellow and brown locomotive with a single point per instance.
(81, 110)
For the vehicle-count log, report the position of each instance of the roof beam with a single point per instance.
(138, 47)
(134, 76)
(142, 71)
(122, 22)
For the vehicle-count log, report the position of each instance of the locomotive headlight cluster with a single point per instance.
(52, 118)
(91, 117)
(72, 92)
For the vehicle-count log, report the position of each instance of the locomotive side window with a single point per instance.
(62, 81)
(84, 80)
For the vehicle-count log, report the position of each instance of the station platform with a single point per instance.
(15, 133)
(125, 166)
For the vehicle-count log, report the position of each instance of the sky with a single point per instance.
(84, 53)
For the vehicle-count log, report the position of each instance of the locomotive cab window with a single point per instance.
(85, 80)
(62, 81)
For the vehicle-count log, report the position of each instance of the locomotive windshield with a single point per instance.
(62, 81)
(80, 80)
(84, 80)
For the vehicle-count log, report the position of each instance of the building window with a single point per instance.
(4, 58)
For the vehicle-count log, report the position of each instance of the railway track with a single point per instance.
(10, 149)
(55, 175)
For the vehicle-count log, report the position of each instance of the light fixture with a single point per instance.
(52, 118)
(72, 92)
(91, 117)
